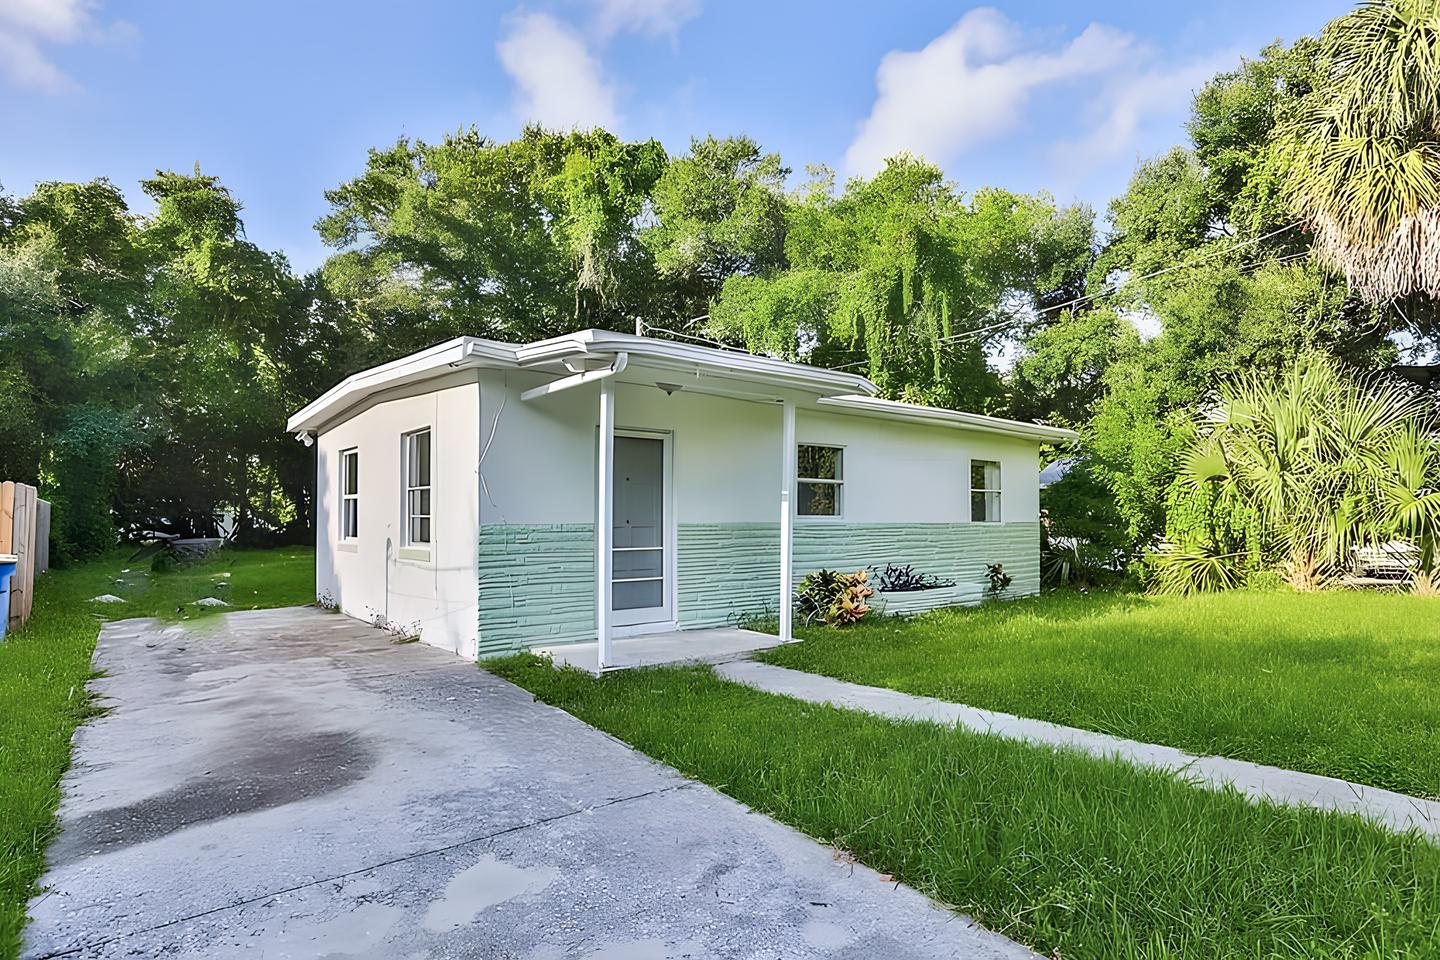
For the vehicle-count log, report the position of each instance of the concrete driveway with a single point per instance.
(287, 783)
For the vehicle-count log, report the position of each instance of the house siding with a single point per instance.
(726, 571)
(949, 551)
(537, 585)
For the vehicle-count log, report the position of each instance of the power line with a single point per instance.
(968, 334)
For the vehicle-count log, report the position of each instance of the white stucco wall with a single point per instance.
(541, 465)
(897, 472)
(368, 578)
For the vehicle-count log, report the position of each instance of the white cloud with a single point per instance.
(25, 65)
(559, 82)
(971, 84)
(26, 25)
(1123, 108)
(652, 17)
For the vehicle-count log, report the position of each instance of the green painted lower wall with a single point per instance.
(950, 551)
(537, 586)
(726, 571)
(537, 583)
(731, 570)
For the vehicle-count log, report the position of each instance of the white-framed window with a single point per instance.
(985, 491)
(416, 449)
(349, 494)
(819, 480)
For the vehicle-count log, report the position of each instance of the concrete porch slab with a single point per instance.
(656, 649)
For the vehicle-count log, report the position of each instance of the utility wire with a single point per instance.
(967, 334)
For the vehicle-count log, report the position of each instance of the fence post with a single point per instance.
(7, 517)
(42, 536)
(19, 509)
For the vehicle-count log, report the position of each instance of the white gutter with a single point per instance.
(895, 410)
(622, 360)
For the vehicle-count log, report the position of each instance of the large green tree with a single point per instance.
(902, 277)
(1203, 245)
(1362, 149)
(517, 240)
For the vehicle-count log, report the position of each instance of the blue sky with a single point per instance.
(281, 100)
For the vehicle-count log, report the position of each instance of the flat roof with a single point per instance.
(834, 389)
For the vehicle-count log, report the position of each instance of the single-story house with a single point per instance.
(496, 497)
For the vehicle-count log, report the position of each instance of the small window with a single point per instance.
(984, 491)
(820, 481)
(349, 494)
(417, 488)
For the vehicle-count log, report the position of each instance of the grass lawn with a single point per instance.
(44, 667)
(1072, 855)
(1343, 684)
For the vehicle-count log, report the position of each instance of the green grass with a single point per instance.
(1069, 854)
(44, 667)
(1342, 684)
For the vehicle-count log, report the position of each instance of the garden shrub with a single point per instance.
(833, 598)
(894, 578)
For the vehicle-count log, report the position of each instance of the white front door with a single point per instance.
(640, 589)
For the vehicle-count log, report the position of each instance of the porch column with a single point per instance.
(604, 518)
(787, 512)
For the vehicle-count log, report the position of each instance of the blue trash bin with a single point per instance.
(7, 570)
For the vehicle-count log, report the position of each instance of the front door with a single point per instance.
(639, 592)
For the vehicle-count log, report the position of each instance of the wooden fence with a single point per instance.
(24, 532)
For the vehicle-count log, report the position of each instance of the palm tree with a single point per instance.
(1324, 463)
(1363, 149)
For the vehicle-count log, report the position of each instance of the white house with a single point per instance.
(496, 497)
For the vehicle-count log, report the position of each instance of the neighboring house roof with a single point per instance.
(1057, 470)
(691, 365)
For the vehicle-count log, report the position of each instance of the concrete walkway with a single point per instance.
(1394, 810)
(288, 783)
(659, 649)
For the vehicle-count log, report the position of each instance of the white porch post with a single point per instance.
(787, 513)
(604, 519)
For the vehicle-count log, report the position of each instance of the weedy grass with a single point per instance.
(1340, 683)
(1074, 856)
(45, 665)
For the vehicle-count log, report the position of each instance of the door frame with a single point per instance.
(665, 615)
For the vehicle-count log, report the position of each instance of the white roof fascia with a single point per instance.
(684, 356)
(895, 410)
(457, 353)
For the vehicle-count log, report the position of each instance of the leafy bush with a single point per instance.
(80, 480)
(999, 580)
(1298, 471)
(897, 579)
(1191, 568)
(833, 598)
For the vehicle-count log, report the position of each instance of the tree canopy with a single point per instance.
(147, 362)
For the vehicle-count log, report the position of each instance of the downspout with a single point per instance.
(622, 360)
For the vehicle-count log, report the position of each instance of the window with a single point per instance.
(349, 494)
(417, 488)
(984, 491)
(820, 480)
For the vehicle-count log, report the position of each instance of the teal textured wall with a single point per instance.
(950, 551)
(537, 583)
(537, 586)
(726, 571)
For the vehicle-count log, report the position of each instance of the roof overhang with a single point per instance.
(723, 370)
(460, 353)
(707, 369)
(715, 366)
(915, 413)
